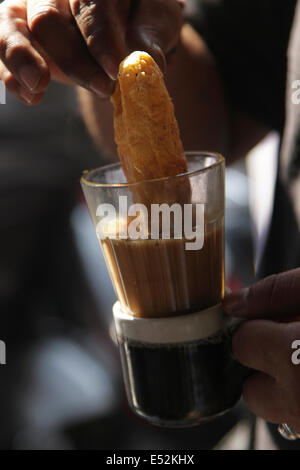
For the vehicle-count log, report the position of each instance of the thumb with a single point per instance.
(277, 297)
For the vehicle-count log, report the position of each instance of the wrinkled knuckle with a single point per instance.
(92, 23)
(14, 52)
(84, 10)
(43, 18)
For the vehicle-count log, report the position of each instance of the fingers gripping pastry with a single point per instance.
(146, 130)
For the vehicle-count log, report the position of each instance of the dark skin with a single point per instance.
(264, 342)
(81, 43)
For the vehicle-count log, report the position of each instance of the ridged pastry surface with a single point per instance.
(146, 130)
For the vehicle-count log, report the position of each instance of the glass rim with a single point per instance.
(220, 161)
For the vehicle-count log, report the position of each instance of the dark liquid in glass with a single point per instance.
(185, 383)
(178, 384)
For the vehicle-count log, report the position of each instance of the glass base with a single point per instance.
(189, 422)
(181, 385)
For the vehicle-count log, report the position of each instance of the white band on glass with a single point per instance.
(178, 329)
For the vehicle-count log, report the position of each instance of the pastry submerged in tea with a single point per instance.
(157, 277)
(174, 343)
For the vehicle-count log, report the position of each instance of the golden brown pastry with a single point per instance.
(146, 130)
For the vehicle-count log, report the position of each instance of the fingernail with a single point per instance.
(235, 304)
(30, 76)
(28, 97)
(100, 87)
(110, 66)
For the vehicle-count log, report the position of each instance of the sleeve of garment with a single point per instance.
(249, 40)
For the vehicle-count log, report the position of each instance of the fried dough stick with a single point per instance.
(146, 132)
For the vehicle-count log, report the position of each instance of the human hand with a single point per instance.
(267, 342)
(80, 41)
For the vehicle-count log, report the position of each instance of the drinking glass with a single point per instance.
(163, 242)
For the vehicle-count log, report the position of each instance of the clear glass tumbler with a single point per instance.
(163, 242)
